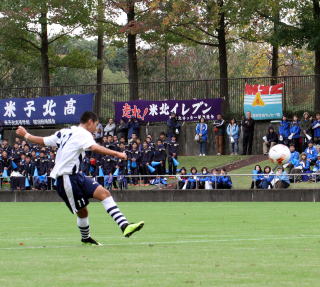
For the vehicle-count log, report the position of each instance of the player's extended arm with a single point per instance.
(21, 131)
(105, 151)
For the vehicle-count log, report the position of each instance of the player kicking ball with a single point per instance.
(72, 186)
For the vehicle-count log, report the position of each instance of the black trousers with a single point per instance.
(247, 143)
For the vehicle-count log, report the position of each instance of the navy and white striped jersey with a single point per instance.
(72, 144)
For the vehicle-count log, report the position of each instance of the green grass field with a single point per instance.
(182, 244)
(208, 161)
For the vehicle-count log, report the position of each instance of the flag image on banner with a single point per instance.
(264, 102)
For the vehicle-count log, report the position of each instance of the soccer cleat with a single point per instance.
(132, 228)
(90, 241)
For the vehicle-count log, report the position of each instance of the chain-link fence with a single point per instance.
(298, 96)
(310, 180)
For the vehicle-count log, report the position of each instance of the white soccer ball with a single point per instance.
(279, 154)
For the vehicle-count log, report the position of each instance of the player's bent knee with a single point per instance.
(101, 193)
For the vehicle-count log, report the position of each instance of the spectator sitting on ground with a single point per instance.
(270, 140)
(110, 128)
(267, 178)
(294, 159)
(224, 180)
(316, 169)
(203, 180)
(316, 129)
(281, 179)
(192, 178)
(233, 134)
(182, 178)
(305, 166)
(257, 177)
(284, 130)
(202, 136)
(214, 178)
(311, 153)
(295, 130)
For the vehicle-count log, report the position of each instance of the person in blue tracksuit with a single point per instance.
(266, 181)
(192, 178)
(311, 153)
(281, 178)
(202, 134)
(224, 180)
(284, 131)
(256, 176)
(295, 131)
(316, 129)
(233, 132)
(202, 179)
(214, 179)
(294, 159)
(304, 165)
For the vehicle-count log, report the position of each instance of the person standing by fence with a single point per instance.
(233, 134)
(219, 132)
(202, 136)
(248, 132)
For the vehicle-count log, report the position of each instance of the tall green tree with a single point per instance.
(37, 24)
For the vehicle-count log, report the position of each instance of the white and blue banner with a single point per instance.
(65, 109)
(264, 102)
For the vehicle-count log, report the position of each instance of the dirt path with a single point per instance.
(244, 162)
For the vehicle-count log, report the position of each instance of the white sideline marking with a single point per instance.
(168, 242)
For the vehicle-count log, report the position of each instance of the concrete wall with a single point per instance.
(186, 139)
(285, 195)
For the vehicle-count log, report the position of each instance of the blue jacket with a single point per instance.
(305, 165)
(191, 177)
(256, 175)
(294, 157)
(317, 166)
(284, 176)
(312, 153)
(295, 129)
(204, 178)
(233, 131)
(202, 128)
(268, 177)
(226, 180)
(284, 129)
(316, 130)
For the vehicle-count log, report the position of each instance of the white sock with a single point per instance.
(111, 207)
(83, 224)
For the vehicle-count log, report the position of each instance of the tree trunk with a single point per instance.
(132, 53)
(316, 16)
(100, 58)
(223, 57)
(275, 52)
(274, 64)
(45, 77)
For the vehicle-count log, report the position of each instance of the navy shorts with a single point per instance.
(75, 190)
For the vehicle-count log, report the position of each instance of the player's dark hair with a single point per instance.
(87, 116)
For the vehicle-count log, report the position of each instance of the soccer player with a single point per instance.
(72, 186)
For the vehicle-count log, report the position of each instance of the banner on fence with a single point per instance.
(159, 111)
(264, 102)
(44, 111)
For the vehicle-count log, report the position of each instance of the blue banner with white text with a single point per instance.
(65, 109)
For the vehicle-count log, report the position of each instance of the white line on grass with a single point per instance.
(167, 242)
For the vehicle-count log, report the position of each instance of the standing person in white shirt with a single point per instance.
(72, 186)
